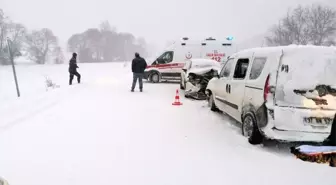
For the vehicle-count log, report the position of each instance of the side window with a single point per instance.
(226, 70)
(257, 67)
(166, 57)
(241, 69)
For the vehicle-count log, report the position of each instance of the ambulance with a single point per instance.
(168, 66)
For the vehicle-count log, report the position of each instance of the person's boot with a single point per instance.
(132, 90)
(140, 90)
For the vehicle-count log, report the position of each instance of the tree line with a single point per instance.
(314, 24)
(37, 45)
(101, 44)
(105, 44)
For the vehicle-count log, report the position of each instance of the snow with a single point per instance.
(308, 67)
(99, 132)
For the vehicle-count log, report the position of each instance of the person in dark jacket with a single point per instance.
(73, 69)
(138, 68)
(331, 139)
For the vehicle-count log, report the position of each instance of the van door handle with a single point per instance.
(228, 88)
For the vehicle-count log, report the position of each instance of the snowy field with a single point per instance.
(100, 133)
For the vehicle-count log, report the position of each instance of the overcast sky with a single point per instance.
(155, 20)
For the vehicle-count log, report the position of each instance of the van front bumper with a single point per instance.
(146, 75)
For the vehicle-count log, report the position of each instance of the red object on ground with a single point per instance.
(177, 99)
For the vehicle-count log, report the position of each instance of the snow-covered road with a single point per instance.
(100, 133)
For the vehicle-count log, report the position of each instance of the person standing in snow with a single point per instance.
(73, 69)
(331, 139)
(138, 68)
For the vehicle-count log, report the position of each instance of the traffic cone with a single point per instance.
(177, 99)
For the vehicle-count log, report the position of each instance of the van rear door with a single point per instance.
(306, 87)
(216, 50)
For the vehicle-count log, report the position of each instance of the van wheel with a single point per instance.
(250, 129)
(211, 103)
(155, 78)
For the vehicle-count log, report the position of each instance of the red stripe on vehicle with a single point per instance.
(165, 66)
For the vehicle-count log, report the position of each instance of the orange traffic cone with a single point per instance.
(177, 99)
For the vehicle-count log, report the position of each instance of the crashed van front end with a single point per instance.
(197, 82)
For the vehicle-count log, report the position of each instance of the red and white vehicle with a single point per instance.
(169, 64)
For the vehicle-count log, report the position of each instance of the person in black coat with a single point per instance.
(331, 139)
(73, 69)
(138, 68)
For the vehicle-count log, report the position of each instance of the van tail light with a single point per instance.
(266, 88)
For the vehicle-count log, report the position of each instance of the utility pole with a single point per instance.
(13, 66)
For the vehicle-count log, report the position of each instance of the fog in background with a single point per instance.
(158, 21)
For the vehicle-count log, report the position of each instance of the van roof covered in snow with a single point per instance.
(286, 49)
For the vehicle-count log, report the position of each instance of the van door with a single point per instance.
(236, 86)
(182, 54)
(212, 50)
(164, 63)
(255, 82)
(306, 89)
(222, 84)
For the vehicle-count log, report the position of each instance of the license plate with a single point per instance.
(318, 121)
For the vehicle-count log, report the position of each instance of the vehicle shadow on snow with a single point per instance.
(268, 145)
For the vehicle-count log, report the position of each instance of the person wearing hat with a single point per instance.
(73, 69)
(138, 68)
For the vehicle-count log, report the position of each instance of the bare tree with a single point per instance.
(40, 43)
(3, 29)
(322, 24)
(17, 33)
(315, 24)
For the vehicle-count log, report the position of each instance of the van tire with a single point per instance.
(155, 77)
(255, 137)
(212, 105)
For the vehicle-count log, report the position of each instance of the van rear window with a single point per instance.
(257, 67)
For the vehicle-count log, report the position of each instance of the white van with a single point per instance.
(170, 63)
(283, 93)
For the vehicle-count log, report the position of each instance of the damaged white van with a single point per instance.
(283, 93)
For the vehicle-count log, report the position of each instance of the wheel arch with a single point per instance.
(153, 71)
(260, 114)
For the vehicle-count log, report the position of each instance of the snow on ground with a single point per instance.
(99, 132)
